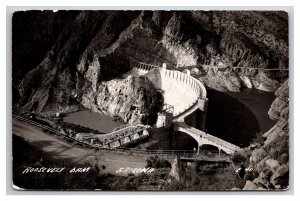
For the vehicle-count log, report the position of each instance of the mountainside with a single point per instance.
(92, 49)
(269, 156)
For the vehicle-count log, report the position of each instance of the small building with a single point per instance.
(164, 119)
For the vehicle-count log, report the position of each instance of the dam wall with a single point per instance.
(179, 89)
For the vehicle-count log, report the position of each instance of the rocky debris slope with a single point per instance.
(271, 160)
(94, 48)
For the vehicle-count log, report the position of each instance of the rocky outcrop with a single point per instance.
(271, 159)
(175, 170)
(133, 99)
(250, 186)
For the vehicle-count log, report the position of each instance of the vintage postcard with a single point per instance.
(150, 100)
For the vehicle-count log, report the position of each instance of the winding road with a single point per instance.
(69, 155)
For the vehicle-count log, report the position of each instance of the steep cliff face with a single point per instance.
(33, 34)
(71, 75)
(271, 160)
(257, 40)
(248, 38)
(94, 49)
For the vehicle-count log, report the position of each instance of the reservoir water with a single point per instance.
(258, 102)
(97, 121)
(233, 116)
(238, 116)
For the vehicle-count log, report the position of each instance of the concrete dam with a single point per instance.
(183, 95)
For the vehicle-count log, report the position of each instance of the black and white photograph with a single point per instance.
(150, 100)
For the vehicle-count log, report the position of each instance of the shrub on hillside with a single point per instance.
(156, 162)
(238, 158)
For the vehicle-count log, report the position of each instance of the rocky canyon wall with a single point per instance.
(92, 49)
(270, 159)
